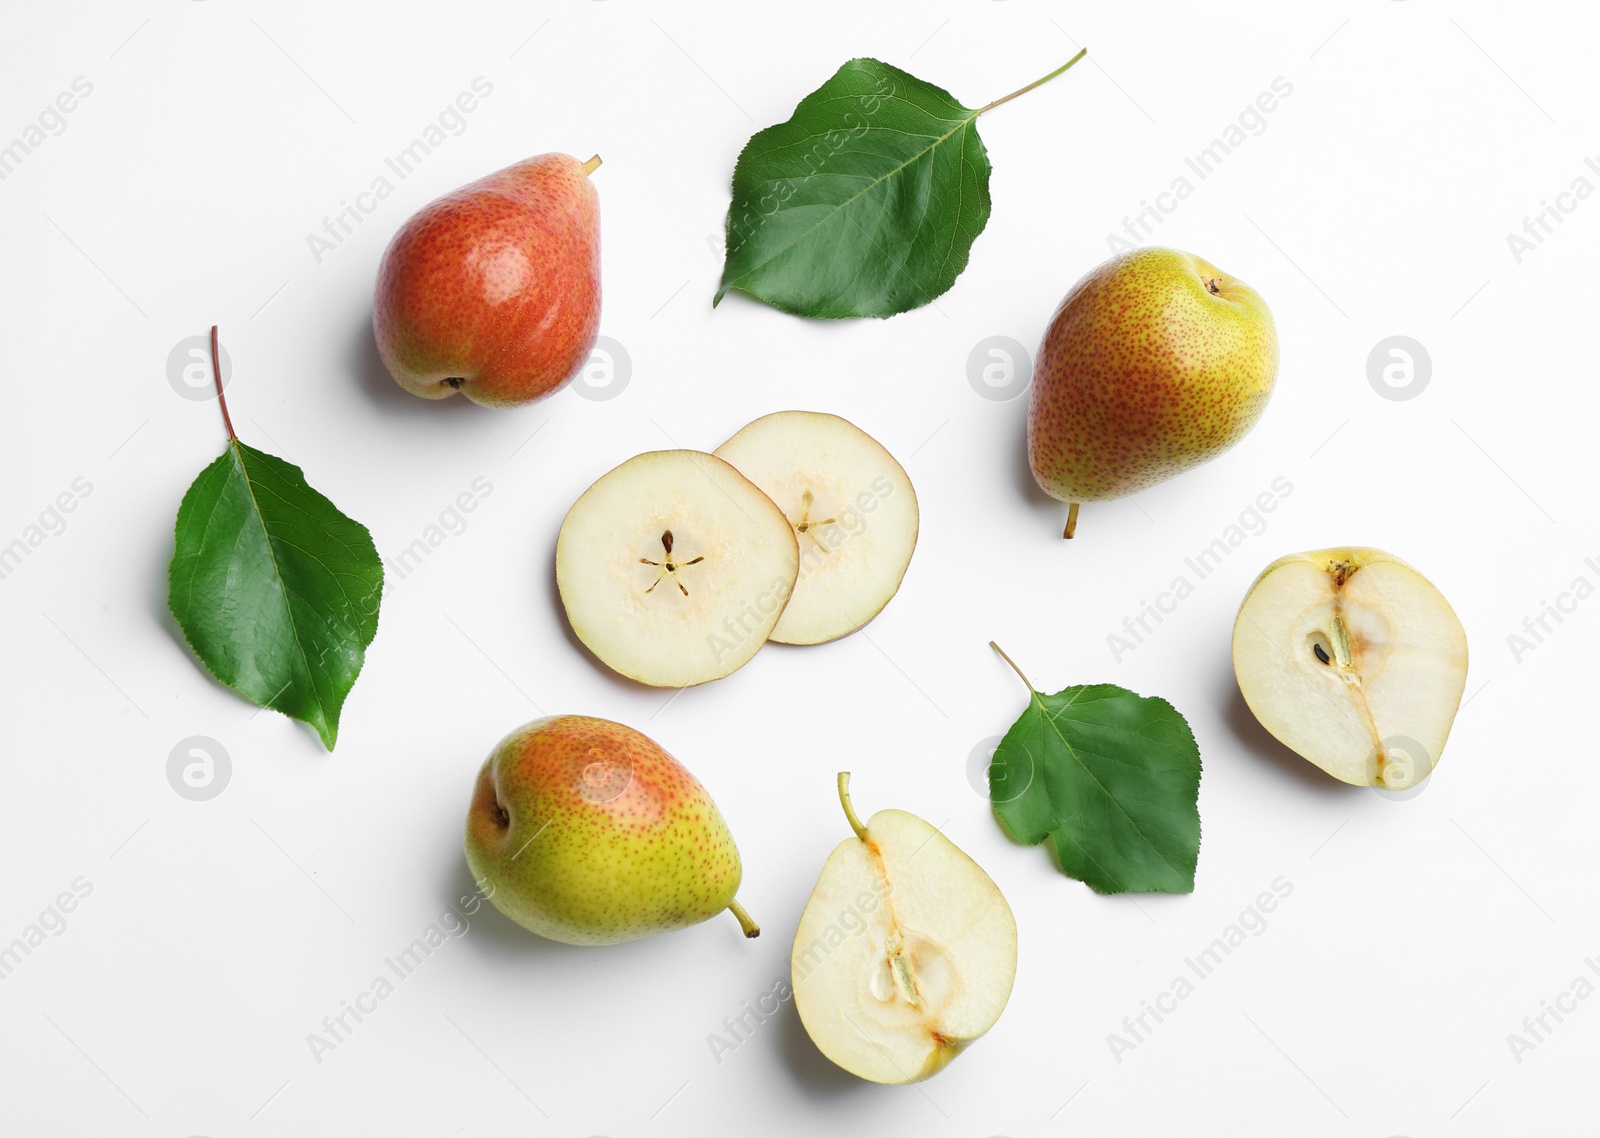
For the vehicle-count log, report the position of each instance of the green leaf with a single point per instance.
(276, 591)
(865, 203)
(1112, 779)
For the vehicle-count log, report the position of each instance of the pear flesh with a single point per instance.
(673, 568)
(585, 831)
(853, 512)
(906, 951)
(1353, 660)
(1154, 363)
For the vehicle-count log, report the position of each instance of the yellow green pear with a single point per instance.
(1154, 363)
(585, 831)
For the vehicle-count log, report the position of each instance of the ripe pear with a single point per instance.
(1154, 363)
(585, 831)
(1355, 661)
(494, 290)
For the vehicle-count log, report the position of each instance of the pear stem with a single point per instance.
(1013, 664)
(1072, 520)
(1031, 86)
(592, 165)
(751, 929)
(216, 371)
(849, 810)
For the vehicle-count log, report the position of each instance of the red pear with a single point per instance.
(494, 290)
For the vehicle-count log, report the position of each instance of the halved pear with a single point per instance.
(674, 567)
(852, 509)
(905, 953)
(1353, 660)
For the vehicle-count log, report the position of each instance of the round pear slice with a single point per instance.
(1354, 661)
(673, 568)
(906, 951)
(852, 509)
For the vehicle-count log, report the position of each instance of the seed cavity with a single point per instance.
(667, 565)
(806, 523)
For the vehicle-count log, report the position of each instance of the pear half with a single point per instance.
(1354, 661)
(852, 509)
(905, 953)
(674, 567)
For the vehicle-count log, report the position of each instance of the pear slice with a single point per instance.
(905, 953)
(673, 568)
(1354, 661)
(853, 511)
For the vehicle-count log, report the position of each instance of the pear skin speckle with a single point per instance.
(1154, 363)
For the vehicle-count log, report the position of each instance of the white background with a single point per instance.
(1377, 201)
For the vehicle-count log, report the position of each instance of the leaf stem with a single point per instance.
(1013, 664)
(849, 810)
(1024, 91)
(216, 370)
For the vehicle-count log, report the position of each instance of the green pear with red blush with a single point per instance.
(1154, 363)
(587, 832)
(494, 290)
